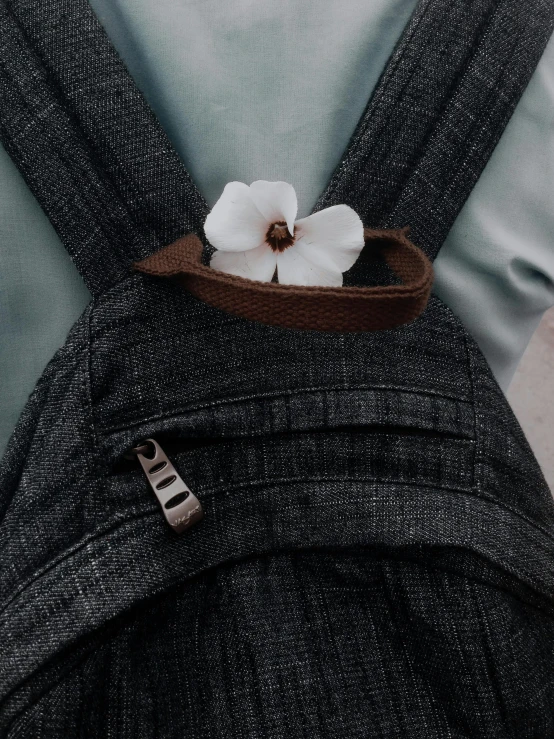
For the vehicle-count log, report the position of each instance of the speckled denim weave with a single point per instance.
(377, 553)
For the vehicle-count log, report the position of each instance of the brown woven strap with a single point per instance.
(292, 306)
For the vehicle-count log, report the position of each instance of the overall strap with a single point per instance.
(86, 142)
(97, 160)
(437, 113)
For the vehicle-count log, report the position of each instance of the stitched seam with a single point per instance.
(439, 119)
(66, 109)
(154, 511)
(352, 150)
(87, 388)
(457, 172)
(104, 431)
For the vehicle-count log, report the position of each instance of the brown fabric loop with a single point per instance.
(306, 307)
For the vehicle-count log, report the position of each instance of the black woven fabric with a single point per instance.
(86, 142)
(377, 553)
(438, 112)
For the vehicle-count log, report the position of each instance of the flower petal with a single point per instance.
(235, 223)
(294, 269)
(255, 264)
(331, 238)
(276, 200)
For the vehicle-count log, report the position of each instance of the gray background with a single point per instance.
(531, 394)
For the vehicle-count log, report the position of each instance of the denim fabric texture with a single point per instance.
(377, 554)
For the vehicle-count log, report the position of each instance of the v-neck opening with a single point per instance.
(348, 151)
(420, 144)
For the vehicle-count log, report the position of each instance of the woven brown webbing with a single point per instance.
(305, 307)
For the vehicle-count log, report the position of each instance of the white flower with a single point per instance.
(255, 232)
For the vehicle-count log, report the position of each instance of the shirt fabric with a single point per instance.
(254, 90)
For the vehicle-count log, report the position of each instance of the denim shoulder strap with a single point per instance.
(100, 165)
(86, 142)
(437, 113)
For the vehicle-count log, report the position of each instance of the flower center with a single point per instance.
(278, 236)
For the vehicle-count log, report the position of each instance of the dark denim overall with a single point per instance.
(376, 557)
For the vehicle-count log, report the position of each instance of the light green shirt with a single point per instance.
(263, 90)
